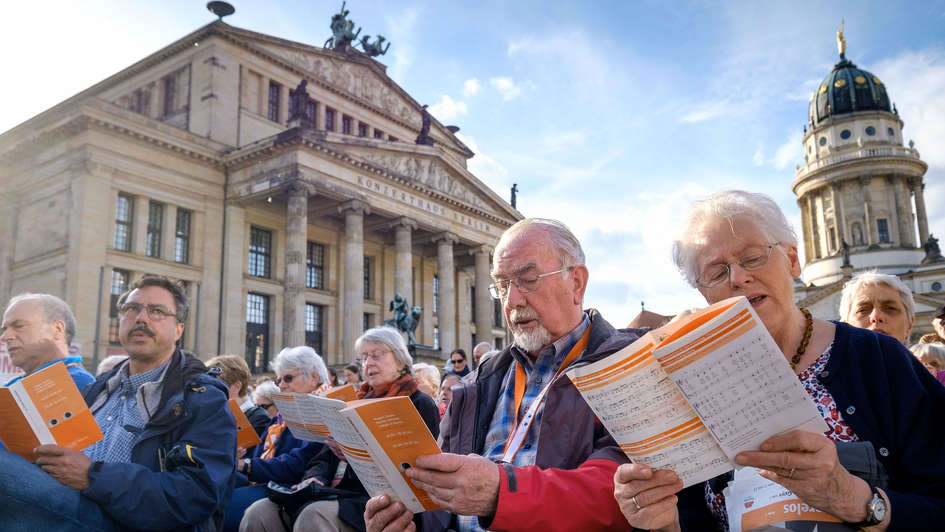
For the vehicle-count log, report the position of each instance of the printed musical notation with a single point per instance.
(690, 397)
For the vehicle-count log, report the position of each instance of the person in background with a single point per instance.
(932, 356)
(938, 328)
(108, 363)
(333, 377)
(446, 390)
(235, 374)
(879, 302)
(262, 397)
(428, 379)
(281, 457)
(458, 362)
(480, 349)
(558, 475)
(38, 329)
(353, 375)
(387, 369)
(866, 385)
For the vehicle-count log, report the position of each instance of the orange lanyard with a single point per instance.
(517, 436)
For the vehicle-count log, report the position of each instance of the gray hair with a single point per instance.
(304, 359)
(728, 205)
(265, 389)
(391, 339)
(430, 373)
(54, 309)
(108, 363)
(566, 245)
(932, 350)
(873, 278)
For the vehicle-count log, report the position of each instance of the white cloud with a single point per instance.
(506, 87)
(758, 158)
(707, 110)
(788, 152)
(402, 29)
(447, 108)
(487, 169)
(471, 87)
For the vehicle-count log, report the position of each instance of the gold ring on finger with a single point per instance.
(635, 503)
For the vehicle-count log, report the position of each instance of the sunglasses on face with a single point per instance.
(459, 360)
(287, 379)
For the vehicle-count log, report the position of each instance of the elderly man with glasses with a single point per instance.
(522, 450)
(166, 461)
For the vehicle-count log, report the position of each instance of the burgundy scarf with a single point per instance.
(404, 385)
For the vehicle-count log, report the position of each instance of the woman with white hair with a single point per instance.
(867, 387)
(387, 373)
(879, 302)
(281, 457)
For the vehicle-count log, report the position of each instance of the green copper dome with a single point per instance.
(845, 90)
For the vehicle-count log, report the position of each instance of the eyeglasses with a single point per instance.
(267, 406)
(155, 312)
(524, 283)
(288, 378)
(752, 258)
(457, 360)
(375, 355)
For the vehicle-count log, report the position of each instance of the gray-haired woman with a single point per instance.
(867, 386)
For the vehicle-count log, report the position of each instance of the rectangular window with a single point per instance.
(496, 313)
(436, 338)
(347, 125)
(472, 305)
(117, 287)
(155, 226)
(182, 237)
(378, 134)
(310, 113)
(362, 129)
(257, 332)
(260, 252)
(272, 111)
(883, 229)
(329, 119)
(314, 316)
(392, 139)
(124, 214)
(833, 238)
(436, 294)
(170, 94)
(315, 266)
(368, 277)
(366, 322)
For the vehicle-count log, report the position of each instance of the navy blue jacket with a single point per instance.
(889, 399)
(183, 465)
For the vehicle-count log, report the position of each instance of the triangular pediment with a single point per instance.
(435, 174)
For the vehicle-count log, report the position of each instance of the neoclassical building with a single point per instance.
(860, 193)
(186, 164)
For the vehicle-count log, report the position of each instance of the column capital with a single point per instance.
(358, 206)
(482, 249)
(446, 237)
(835, 185)
(403, 221)
(298, 188)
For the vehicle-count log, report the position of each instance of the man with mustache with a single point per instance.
(167, 460)
(522, 450)
(38, 329)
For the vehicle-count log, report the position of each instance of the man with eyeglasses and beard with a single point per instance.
(167, 458)
(522, 450)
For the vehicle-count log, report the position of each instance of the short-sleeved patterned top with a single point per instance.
(838, 429)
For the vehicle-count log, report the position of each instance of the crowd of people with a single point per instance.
(521, 448)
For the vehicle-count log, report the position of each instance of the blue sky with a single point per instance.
(611, 116)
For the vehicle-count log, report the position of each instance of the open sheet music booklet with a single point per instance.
(45, 407)
(693, 394)
(381, 438)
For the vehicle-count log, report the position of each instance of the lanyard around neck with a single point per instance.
(517, 436)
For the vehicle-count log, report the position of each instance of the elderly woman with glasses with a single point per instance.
(867, 387)
(280, 457)
(387, 372)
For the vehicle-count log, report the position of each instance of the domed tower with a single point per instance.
(858, 185)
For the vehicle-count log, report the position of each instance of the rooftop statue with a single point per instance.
(375, 48)
(342, 30)
(424, 137)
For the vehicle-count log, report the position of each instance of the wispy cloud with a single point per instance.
(402, 29)
(487, 169)
(447, 108)
(471, 87)
(507, 88)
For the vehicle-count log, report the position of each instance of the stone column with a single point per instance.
(264, 96)
(352, 315)
(804, 205)
(169, 232)
(403, 265)
(337, 122)
(839, 221)
(891, 192)
(283, 104)
(483, 317)
(319, 116)
(446, 316)
(868, 211)
(139, 230)
(296, 233)
(232, 336)
(906, 217)
(921, 217)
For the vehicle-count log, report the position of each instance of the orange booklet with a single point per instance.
(345, 392)
(246, 436)
(381, 439)
(45, 407)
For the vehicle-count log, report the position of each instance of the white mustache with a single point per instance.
(517, 315)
